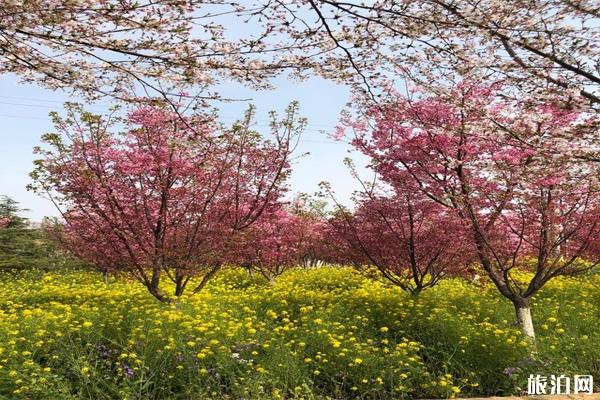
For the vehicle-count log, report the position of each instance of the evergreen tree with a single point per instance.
(16, 238)
(23, 245)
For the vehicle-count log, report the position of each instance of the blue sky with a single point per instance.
(24, 118)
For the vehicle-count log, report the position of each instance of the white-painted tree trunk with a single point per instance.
(525, 321)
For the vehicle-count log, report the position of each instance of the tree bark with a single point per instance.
(415, 293)
(206, 278)
(524, 320)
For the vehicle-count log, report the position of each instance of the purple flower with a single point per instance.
(127, 371)
(510, 371)
(103, 350)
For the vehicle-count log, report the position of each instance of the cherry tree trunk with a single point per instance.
(524, 320)
(105, 278)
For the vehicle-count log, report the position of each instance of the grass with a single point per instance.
(323, 333)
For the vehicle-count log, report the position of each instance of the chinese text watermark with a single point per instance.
(538, 384)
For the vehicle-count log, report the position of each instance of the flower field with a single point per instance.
(316, 334)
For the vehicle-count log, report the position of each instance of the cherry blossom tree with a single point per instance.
(412, 241)
(512, 173)
(131, 50)
(286, 237)
(269, 247)
(549, 47)
(313, 230)
(165, 199)
(115, 47)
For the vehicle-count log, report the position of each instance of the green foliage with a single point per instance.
(19, 245)
(24, 246)
(322, 333)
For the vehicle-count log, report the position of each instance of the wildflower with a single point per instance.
(510, 371)
(127, 371)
